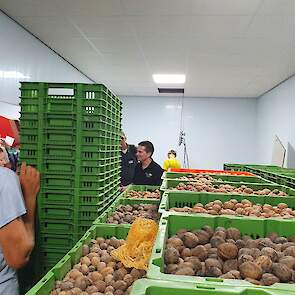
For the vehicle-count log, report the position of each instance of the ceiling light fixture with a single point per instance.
(13, 74)
(168, 79)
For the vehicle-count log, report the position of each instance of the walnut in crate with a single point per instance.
(213, 187)
(243, 208)
(126, 214)
(144, 195)
(227, 254)
(98, 273)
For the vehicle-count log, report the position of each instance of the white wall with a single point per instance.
(218, 130)
(22, 55)
(276, 116)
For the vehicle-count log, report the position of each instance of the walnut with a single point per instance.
(209, 230)
(251, 243)
(202, 236)
(231, 264)
(227, 251)
(200, 251)
(176, 243)
(289, 261)
(270, 252)
(245, 251)
(280, 240)
(265, 242)
(290, 251)
(171, 255)
(190, 240)
(196, 263)
(269, 279)
(171, 268)
(272, 236)
(210, 262)
(186, 271)
(186, 252)
(264, 262)
(213, 271)
(252, 281)
(240, 244)
(220, 233)
(282, 271)
(216, 241)
(233, 233)
(244, 258)
(250, 270)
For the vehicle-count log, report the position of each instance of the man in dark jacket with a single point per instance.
(128, 161)
(147, 171)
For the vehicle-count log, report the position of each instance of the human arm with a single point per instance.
(158, 176)
(166, 165)
(17, 225)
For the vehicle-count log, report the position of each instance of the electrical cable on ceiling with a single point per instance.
(182, 140)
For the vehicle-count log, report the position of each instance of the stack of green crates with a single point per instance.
(280, 175)
(71, 133)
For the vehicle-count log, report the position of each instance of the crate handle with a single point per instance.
(207, 287)
(217, 280)
(61, 91)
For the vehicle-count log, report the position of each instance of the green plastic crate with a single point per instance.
(46, 284)
(241, 167)
(56, 196)
(179, 200)
(68, 137)
(170, 184)
(256, 228)
(273, 176)
(156, 287)
(69, 167)
(122, 201)
(234, 167)
(94, 182)
(60, 226)
(227, 178)
(60, 241)
(48, 211)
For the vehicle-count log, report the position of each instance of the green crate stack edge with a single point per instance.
(74, 141)
(283, 176)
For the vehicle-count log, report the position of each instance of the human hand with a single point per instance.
(30, 182)
(123, 188)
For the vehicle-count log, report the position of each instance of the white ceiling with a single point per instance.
(226, 48)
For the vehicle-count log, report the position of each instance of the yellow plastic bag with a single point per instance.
(139, 244)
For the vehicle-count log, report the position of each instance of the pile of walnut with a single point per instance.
(201, 178)
(98, 273)
(224, 253)
(144, 195)
(226, 189)
(126, 214)
(245, 207)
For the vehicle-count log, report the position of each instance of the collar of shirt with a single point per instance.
(147, 166)
(124, 151)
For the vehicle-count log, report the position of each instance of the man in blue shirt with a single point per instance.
(17, 214)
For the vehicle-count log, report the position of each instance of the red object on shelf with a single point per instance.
(9, 128)
(224, 172)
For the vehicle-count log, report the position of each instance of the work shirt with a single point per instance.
(151, 175)
(171, 163)
(12, 206)
(128, 163)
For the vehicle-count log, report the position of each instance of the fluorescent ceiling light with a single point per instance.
(13, 74)
(169, 79)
